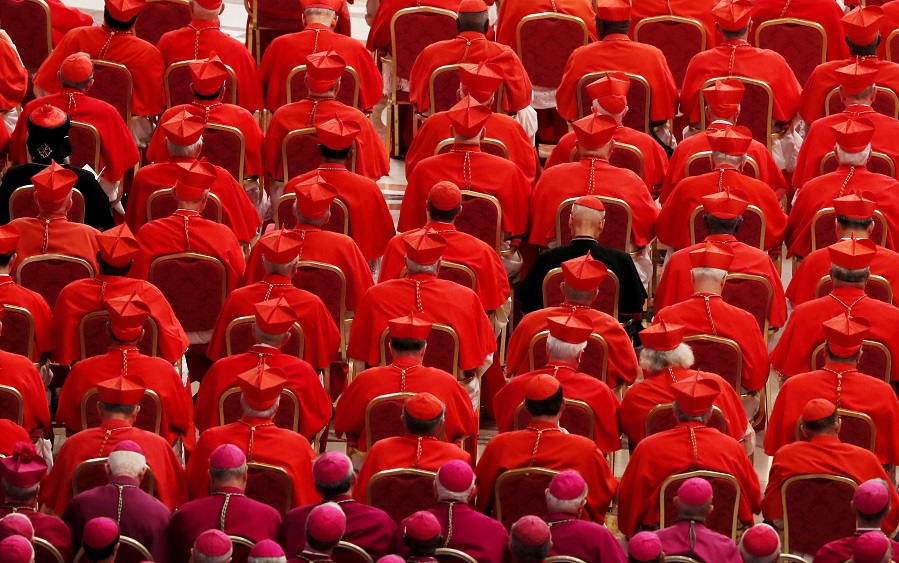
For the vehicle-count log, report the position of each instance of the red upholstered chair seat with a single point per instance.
(678, 41)
(818, 511)
(48, 277)
(402, 493)
(416, 31)
(194, 289)
(545, 46)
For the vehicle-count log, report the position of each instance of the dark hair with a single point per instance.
(117, 409)
(849, 276)
(421, 427)
(117, 25)
(407, 344)
(606, 27)
(333, 154)
(632, 560)
(327, 490)
(107, 270)
(831, 357)
(818, 426)
(442, 216)
(101, 553)
(847, 223)
(523, 553)
(422, 548)
(6, 257)
(320, 546)
(719, 226)
(863, 50)
(547, 407)
(473, 21)
(212, 96)
(731, 35)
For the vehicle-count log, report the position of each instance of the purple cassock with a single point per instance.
(140, 516)
(226, 509)
(366, 526)
(480, 536)
(49, 528)
(708, 545)
(842, 549)
(588, 541)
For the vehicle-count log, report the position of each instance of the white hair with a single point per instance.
(26, 524)
(747, 558)
(555, 505)
(562, 350)
(582, 213)
(202, 558)
(198, 12)
(853, 158)
(722, 158)
(654, 361)
(416, 268)
(269, 413)
(709, 274)
(126, 463)
(280, 269)
(444, 494)
(184, 151)
(318, 13)
(281, 559)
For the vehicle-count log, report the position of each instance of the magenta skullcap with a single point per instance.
(644, 546)
(455, 476)
(267, 548)
(760, 541)
(100, 532)
(421, 526)
(227, 456)
(326, 523)
(331, 467)
(568, 485)
(16, 549)
(16, 524)
(695, 491)
(128, 446)
(871, 497)
(391, 559)
(870, 548)
(213, 543)
(531, 530)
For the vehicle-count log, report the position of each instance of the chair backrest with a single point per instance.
(327, 282)
(28, 24)
(617, 231)
(570, 559)
(240, 549)
(638, 100)
(577, 418)
(225, 147)
(756, 108)
(449, 555)
(239, 338)
(383, 417)
(195, 286)
(876, 287)
(160, 16)
(857, 429)
(348, 93)
(481, 218)
(346, 552)
(751, 293)
(91, 473)
(442, 351)
(876, 359)
(162, 203)
(823, 233)
(47, 274)
(12, 406)
(178, 84)
(678, 38)
(628, 157)
(520, 492)
(606, 299)
(879, 163)
(113, 84)
(725, 491)
(892, 47)
(22, 204)
(443, 88)
(299, 153)
(402, 492)
(718, 355)
(17, 334)
(488, 145)
(886, 102)
(816, 510)
(700, 163)
(94, 338)
(287, 416)
(661, 417)
(802, 43)
(130, 551)
(454, 272)
(595, 361)
(544, 42)
(85, 141)
(269, 484)
(751, 231)
(149, 418)
(339, 222)
(413, 29)
(45, 552)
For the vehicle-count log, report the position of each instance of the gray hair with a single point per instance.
(281, 559)
(444, 494)
(126, 463)
(318, 13)
(416, 268)
(578, 295)
(200, 13)
(709, 274)
(555, 505)
(19, 494)
(722, 158)
(562, 350)
(681, 417)
(654, 361)
(217, 474)
(266, 338)
(269, 414)
(280, 269)
(306, 220)
(863, 95)
(853, 158)
(581, 213)
(845, 275)
(201, 558)
(184, 151)
(747, 558)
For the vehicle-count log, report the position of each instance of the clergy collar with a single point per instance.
(53, 216)
(177, 159)
(265, 349)
(318, 26)
(824, 440)
(404, 362)
(339, 499)
(187, 213)
(719, 124)
(735, 43)
(858, 108)
(439, 227)
(114, 424)
(228, 490)
(616, 37)
(306, 227)
(726, 167)
(107, 278)
(333, 166)
(124, 480)
(839, 367)
(721, 238)
(204, 24)
(560, 365)
(252, 421)
(847, 292)
(472, 36)
(421, 277)
(691, 424)
(542, 425)
(465, 148)
(118, 348)
(560, 518)
(207, 103)
(5, 278)
(276, 279)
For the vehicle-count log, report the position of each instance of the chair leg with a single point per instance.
(396, 129)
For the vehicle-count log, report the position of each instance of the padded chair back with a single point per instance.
(17, 334)
(751, 293)
(85, 140)
(544, 42)
(91, 473)
(346, 552)
(327, 282)
(149, 418)
(606, 299)
(699, 164)
(240, 549)
(879, 163)
(299, 153)
(638, 99)
(816, 511)
(577, 418)
(402, 492)
(130, 551)
(95, 339)
(45, 552)
(617, 231)
(113, 84)
(725, 491)
(856, 428)
(718, 355)
(28, 24)
(442, 351)
(756, 107)
(481, 217)
(22, 204)
(347, 94)
(892, 46)
(383, 417)
(239, 338)
(520, 492)
(595, 361)
(876, 287)
(269, 485)
(194, 285)
(225, 147)
(661, 418)
(628, 157)
(886, 102)
(802, 43)
(339, 222)
(47, 274)
(162, 203)
(158, 17)
(751, 231)
(287, 416)
(12, 406)
(413, 29)
(678, 38)
(449, 555)
(823, 233)
(876, 359)
(178, 83)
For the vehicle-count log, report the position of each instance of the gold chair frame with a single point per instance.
(24, 191)
(716, 411)
(881, 91)
(485, 141)
(783, 498)
(567, 559)
(764, 281)
(292, 197)
(9, 390)
(181, 64)
(843, 413)
(309, 131)
(749, 209)
(542, 335)
(769, 136)
(288, 499)
(154, 335)
(590, 77)
(795, 21)
(393, 472)
(889, 50)
(508, 474)
(879, 280)
(147, 393)
(674, 19)
(874, 154)
(243, 144)
(170, 192)
(286, 394)
(606, 201)
(461, 556)
(128, 84)
(726, 341)
(47, 547)
(822, 213)
(81, 467)
(27, 314)
(385, 334)
(358, 551)
(47, 257)
(499, 215)
(302, 68)
(869, 343)
(569, 403)
(702, 474)
(296, 331)
(707, 154)
(389, 397)
(189, 256)
(473, 279)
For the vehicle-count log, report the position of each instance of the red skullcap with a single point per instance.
(644, 546)
(760, 541)
(333, 5)
(337, 134)
(266, 549)
(423, 406)
(472, 7)
(227, 456)
(455, 476)
(590, 202)
(852, 254)
(871, 497)
(531, 530)
(421, 526)
(845, 334)
(584, 273)
(16, 549)
(118, 247)
(818, 409)
(568, 485)
(871, 547)
(726, 204)
(100, 532)
(261, 386)
(77, 67)
(274, 316)
(542, 387)
(610, 91)
(445, 196)
(695, 492)
(210, 4)
(326, 523)
(331, 467)
(695, 394)
(663, 335)
(412, 326)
